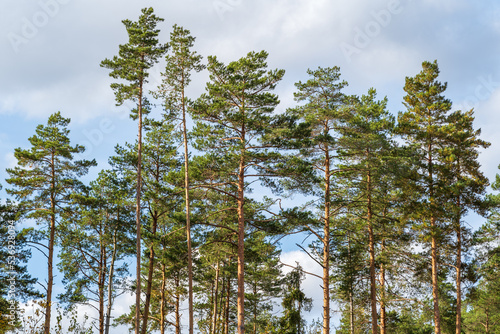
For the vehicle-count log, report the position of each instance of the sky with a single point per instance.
(51, 51)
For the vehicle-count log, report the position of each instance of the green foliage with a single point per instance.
(372, 201)
(294, 303)
(95, 240)
(47, 170)
(181, 61)
(482, 306)
(43, 182)
(135, 59)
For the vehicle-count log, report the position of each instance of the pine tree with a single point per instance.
(322, 112)
(132, 64)
(237, 111)
(160, 169)
(469, 184)
(176, 78)
(424, 126)
(160, 162)
(95, 238)
(263, 278)
(482, 305)
(366, 157)
(43, 180)
(294, 303)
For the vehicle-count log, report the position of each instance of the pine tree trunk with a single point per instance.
(326, 249)
(149, 286)
(177, 305)
(351, 299)
(101, 280)
(459, 276)
(241, 240)
(188, 214)
(228, 298)
(215, 299)
(221, 311)
(50, 259)
(255, 309)
(110, 285)
(138, 216)
(383, 316)
(434, 257)
(162, 299)
(435, 292)
(373, 287)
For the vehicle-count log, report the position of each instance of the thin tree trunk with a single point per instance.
(373, 287)
(434, 257)
(255, 309)
(101, 280)
(435, 292)
(188, 214)
(138, 217)
(221, 310)
(241, 239)
(50, 277)
(326, 249)
(215, 299)
(459, 275)
(149, 286)
(177, 305)
(228, 296)
(110, 284)
(487, 323)
(383, 316)
(162, 299)
(50, 281)
(351, 299)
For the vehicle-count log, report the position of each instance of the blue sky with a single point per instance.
(51, 51)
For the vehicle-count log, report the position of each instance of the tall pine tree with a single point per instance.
(43, 180)
(176, 78)
(322, 113)
(468, 186)
(132, 64)
(238, 112)
(424, 126)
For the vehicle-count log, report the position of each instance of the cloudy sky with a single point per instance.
(51, 51)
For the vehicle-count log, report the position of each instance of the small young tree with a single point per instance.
(294, 303)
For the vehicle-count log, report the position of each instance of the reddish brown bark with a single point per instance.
(326, 249)
(138, 216)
